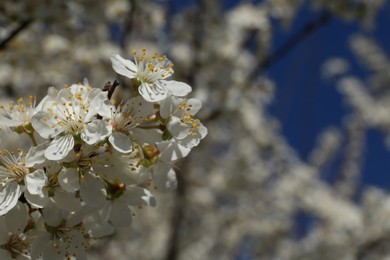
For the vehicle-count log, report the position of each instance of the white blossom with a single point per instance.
(72, 116)
(187, 130)
(151, 74)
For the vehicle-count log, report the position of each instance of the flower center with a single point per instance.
(22, 110)
(152, 69)
(188, 118)
(16, 245)
(12, 166)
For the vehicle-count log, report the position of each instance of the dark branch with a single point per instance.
(282, 51)
(23, 25)
(293, 41)
(178, 214)
(128, 23)
(110, 88)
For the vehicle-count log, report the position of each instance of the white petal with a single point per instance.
(92, 191)
(16, 218)
(36, 155)
(39, 244)
(177, 128)
(177, 88)
(97, 227)
(166, 107)
(59, 148)
(95, 104)
(122, 66)
(69, 179)
(45, 125)
(121, 142)
(35, 181)
(4, 235)
(52, 214)
(94, 132)
(37, 201)
(120, 214)
(138, 107)
(150, 136)
(66, 201)
(202, 131)
(51, 252)
(164, 177)
(152, 93)
(194, 104)
(171, 151)
(106, 108)
(9, 122)
(137, 196)
(9, 197)
(5, 255)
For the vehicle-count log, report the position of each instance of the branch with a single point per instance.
(128, 24)
(293, 41)
(23, 25)
(178, 213)
(110, 88)
(270, 60)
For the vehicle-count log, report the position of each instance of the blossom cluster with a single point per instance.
(91, 161)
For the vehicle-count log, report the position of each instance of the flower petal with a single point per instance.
(152, 92)
(177, 88)
(35, 181)
(164, 177)
(45, 125)
(9, 197)
(37, 201)
(52, 214)
(166, 107)
(66, 201)
(171, 151)
(5, 254)
(177, 128)
(146, 135)
(9, 122)
(94, 132)
(36, 155)
(121, 142)
(97, 227)
(4, 236)
(59, 148)
(92, 191)
(122, 66)
(120, 214)
(69, 179)
(194, 105)
(137, 196)
(17, 218)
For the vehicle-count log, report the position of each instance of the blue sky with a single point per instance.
(306, 103)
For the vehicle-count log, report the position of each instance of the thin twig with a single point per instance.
(110, 88)
(282, 51)
(128, 24)
(178, 214)
(23, 25)
(293, 41)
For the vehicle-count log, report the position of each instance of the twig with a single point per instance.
(110, 88)
(128, 24)
(293, 41)
(285, 48)
(178, 212)
(23, 25)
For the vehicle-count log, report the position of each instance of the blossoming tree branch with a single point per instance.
(88, 161)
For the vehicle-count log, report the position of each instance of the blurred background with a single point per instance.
(296, 97)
